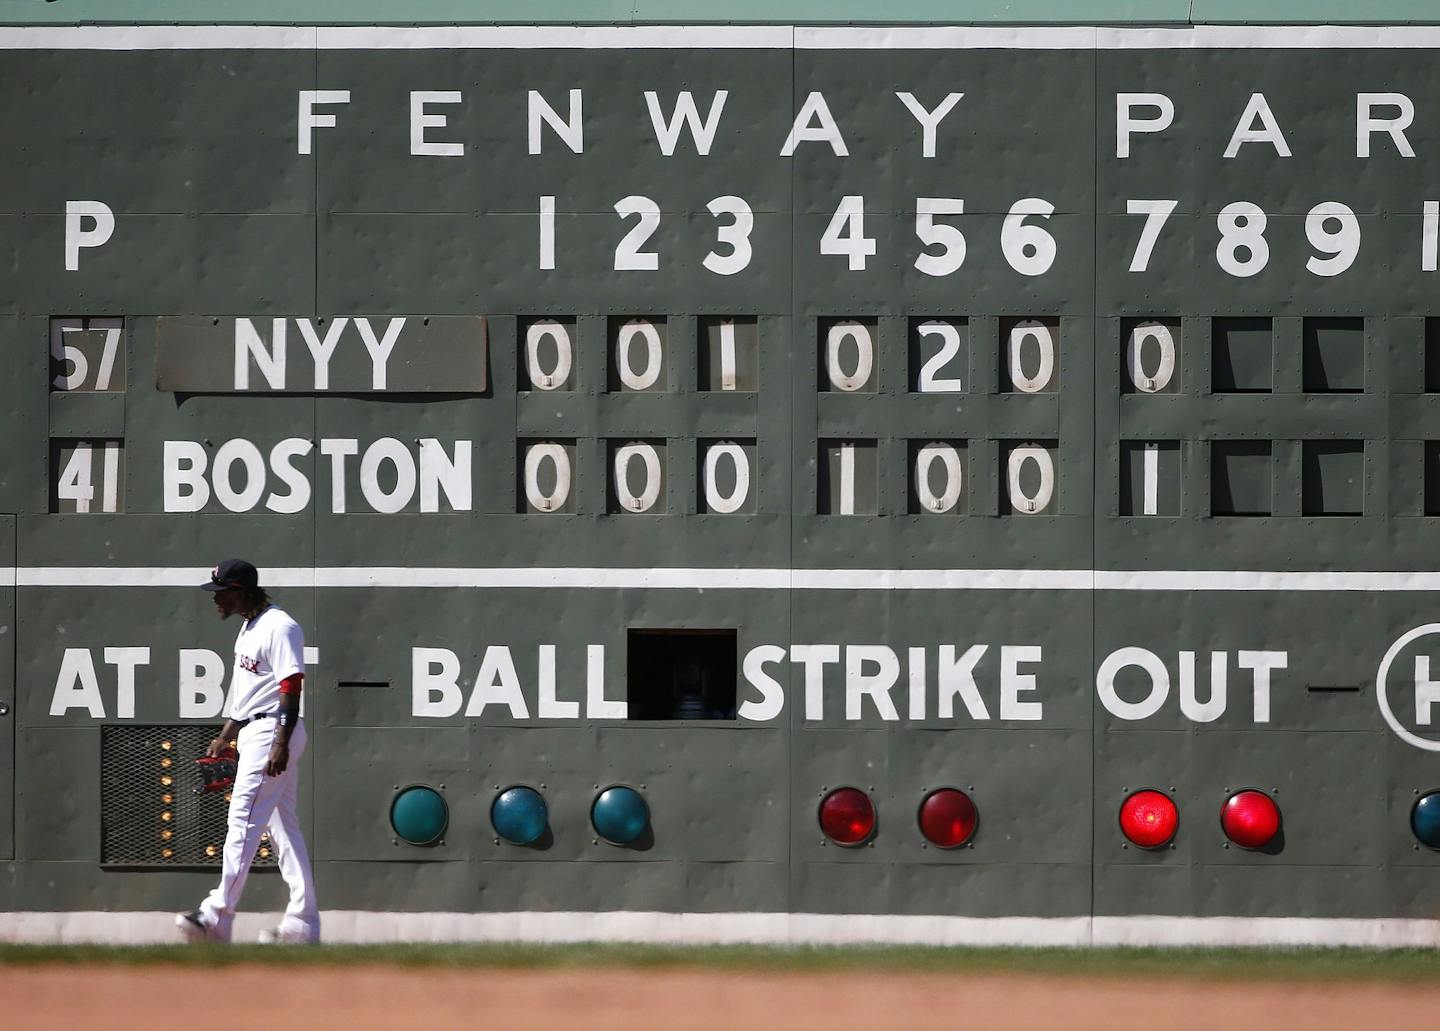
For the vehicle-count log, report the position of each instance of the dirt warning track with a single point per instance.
(626, 999)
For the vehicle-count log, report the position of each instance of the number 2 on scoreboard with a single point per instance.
(731, 254)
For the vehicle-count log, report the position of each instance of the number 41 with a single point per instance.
(76, 482)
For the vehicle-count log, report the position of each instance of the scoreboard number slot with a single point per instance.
(637, 354)
(849, 355)
(87, 476)
(637, 477)
(848, 478)
(937, 478)
(1031, 361)
(729, 354)
(549, 355)
(547, 476)
(1150, 478)
(725, 476)
(1030, 478)
(942, 372)
(1151, 355)
(85, 354)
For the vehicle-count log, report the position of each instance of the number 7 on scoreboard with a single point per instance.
(1155, 212)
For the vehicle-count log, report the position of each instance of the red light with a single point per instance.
(947, 818)
(1148, 819)
(847, 816)
(1250, 818)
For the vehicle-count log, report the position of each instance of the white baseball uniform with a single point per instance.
(268, 649)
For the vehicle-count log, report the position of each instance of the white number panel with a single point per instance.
(87, 354)
(87, 477)
(547, 354)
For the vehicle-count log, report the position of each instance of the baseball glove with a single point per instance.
(216, 772)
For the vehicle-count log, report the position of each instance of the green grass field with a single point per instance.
(1413, 966)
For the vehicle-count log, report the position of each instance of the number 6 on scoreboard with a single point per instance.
(1155, 212)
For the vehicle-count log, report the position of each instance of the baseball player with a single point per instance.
(264, 720)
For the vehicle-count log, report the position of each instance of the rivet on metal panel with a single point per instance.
(642, 786)
(395, 842)
(594, 841)
(442, 842)
(1172, 787)
(870, 788)
(822, 842)
(1172, 846)
(970, 788)
(397, 787)
(1225, 845)
(542, 785)
(871, 845)
(496, 840)
(1124, 788)
(442, 788)
(924, 788)
(595, 786)
(1124, 844)
(923, 845)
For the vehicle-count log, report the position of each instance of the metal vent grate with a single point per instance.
(149, 812)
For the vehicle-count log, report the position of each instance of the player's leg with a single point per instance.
(252, 799)
(301, 922)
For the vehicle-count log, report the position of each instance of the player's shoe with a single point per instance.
(193, 927)
(280, 936)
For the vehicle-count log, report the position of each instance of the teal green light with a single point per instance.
(419, 815)
(620, 815)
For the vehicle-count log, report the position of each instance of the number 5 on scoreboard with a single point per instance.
(1155, 212)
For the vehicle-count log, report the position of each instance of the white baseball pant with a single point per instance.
(259, 803)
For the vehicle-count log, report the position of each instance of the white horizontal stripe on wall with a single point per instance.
(742, 579)
(715, 37)
(356, 927)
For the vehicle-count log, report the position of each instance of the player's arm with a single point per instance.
(227, 734)
(288, 715)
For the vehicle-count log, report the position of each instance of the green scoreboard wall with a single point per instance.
(732, 414)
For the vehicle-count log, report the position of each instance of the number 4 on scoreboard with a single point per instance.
(73, 473)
